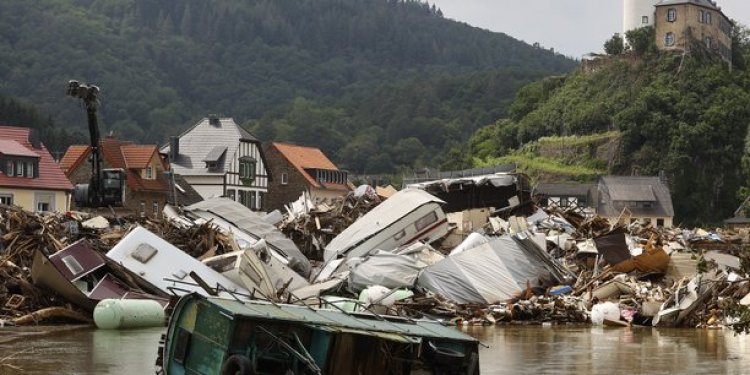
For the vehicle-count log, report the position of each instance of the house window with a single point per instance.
(253, 200)
(45, 202)
(708, 41)
(231, 194)
(260, 200)
(671, 15)
(19, 168)
(9, 170)
(247, 170)
(143, 208)
(659, 222)
(241, 197)
(701, 16)
(426, 221)
(284, 178)
(644, 20)
(156, 209)
(30, 169)
(6, 199)
(669, 39)
(149, 173)
(708, 18)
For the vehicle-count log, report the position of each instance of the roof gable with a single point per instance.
(73, 158)
(198, 142)
(138, 156)
(303, 157)
(621, 189)
(50, 175)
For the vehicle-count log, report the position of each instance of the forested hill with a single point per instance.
(684, 114)
(163, 64)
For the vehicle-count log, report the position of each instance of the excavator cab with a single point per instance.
(112, 191)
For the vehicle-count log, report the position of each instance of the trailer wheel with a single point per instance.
(237, 364)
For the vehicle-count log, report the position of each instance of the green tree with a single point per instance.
(614, 45)
(642, 40)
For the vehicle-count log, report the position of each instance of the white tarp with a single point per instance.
(391, 269)
(487, 274)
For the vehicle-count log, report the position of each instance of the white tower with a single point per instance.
(637, 14)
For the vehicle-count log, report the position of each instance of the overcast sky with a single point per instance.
(571, 27)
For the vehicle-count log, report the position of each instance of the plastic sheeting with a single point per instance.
(391, 269)
(487, 274)
(473, 240)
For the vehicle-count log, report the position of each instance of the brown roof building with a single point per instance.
(298, 169)
(148, 187)
(29, 176)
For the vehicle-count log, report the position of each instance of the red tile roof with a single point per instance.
(11, 147)
(138, 156)
(302, 157)
(74, 156)
(112, 153)
(51, 177)
(120, 154)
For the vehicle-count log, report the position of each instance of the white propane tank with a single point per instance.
(128, 313)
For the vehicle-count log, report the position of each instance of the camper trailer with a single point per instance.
(168, 268)
(408, 216)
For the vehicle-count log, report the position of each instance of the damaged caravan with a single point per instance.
(408, 216)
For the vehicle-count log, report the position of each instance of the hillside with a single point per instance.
(687, 115)
(163, 64)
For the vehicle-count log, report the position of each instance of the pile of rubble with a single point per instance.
(22, 234)
(312, 225)
(402, 255)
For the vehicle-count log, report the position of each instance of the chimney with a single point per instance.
(214, 120)
(174, 148)
(34, 139)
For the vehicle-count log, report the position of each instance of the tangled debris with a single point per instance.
(568, 266)
(24, 233)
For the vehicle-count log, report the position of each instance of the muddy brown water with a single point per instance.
(512, 350)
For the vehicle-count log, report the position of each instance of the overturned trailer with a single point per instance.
(408, 216)
(219, 336)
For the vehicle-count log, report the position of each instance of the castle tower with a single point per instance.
(637, 14)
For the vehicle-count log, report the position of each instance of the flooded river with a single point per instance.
(512, 350)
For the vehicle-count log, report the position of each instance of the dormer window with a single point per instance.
(215, 158)
(149, 173)
(16, 167)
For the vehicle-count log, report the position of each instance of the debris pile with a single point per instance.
(312, 225)
(22, 234)
(390, 256)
